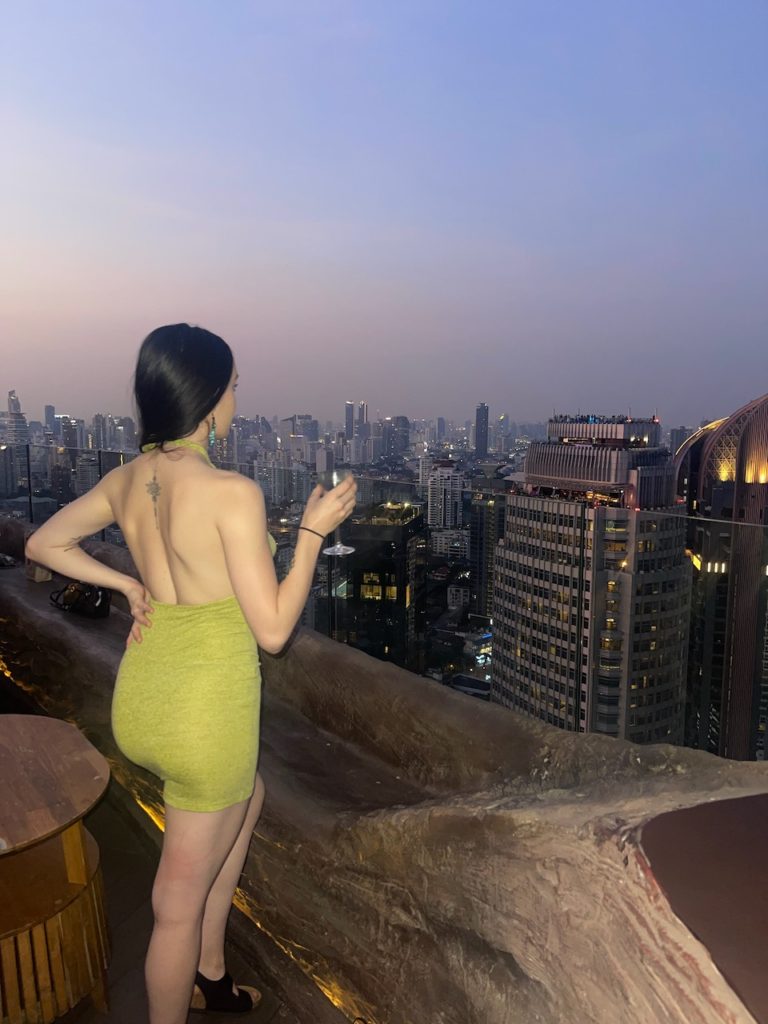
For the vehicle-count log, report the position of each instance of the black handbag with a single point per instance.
(84, 599)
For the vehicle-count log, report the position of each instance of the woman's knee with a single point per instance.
(178, 896)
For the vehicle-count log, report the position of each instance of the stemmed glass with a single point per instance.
(328, 479)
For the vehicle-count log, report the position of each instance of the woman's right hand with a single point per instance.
(325, 510)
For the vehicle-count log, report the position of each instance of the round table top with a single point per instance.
(51, 776)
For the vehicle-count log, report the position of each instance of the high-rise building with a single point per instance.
(8, 472)
(425, 468)
(324, 460)
(308, 426)
(382, 604)
(387, 437)
(486, 529)
(402, 434)
(349, 420)
(445, 508)
(100, 433)
(481, 430)
(61, 481)
(283, 480)
(440, 428)
(49, 415)
(355, 451)
(722, 472)
(17, 431)
(592, 584)
(375, 448)
(86, 472)
(362, 427)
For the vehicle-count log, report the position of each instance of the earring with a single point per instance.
(212, 433)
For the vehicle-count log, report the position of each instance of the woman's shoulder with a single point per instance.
(239, 507)
(240, 489)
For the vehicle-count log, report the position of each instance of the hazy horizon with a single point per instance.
(537, 205)
(373, 414)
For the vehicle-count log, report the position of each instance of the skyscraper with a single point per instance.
(307, 426)
(481, 431)
(100, 433)
(8, 471)
(592, 591)
(362, 427)
(86, 472)
(17, 431)
(722, 471)
(445, 509)
(349, 420)
(486, 529)
(382, 610)
(402, 434)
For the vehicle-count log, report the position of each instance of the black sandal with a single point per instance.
(218, 997)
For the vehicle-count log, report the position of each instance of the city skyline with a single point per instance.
(411, 204)
(338, 421)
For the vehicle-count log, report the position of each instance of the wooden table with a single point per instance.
(53, 937)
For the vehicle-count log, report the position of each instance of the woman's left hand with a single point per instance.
(137, 597)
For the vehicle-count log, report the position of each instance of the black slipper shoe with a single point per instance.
(218, 997)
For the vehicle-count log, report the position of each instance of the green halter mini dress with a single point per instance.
(187, 700)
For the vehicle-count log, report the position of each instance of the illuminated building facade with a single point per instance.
(592, 585)
(722, 472)
(381, 608)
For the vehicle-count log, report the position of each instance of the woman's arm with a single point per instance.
(272, 609)
(56, 542)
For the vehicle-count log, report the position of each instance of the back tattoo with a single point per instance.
(153, 488)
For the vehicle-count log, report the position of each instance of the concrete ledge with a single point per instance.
(423, 856)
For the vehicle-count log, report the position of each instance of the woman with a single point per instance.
(186, 702)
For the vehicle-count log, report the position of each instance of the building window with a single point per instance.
(371, 588)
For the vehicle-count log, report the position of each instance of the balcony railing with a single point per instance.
(36, 480)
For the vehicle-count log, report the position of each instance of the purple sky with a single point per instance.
(420, 203)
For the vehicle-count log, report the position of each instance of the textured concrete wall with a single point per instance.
(427, 857)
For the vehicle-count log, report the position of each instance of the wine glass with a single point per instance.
(328, 479)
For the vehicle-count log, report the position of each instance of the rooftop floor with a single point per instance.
(128, 867)
(128, 864)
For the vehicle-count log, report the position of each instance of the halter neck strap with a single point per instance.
(180, 442)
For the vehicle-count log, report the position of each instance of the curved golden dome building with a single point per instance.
(722, 474)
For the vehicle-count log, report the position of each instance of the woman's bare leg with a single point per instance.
(195, 845)
(219, 902)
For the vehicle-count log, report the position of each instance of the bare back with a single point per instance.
(166, 505)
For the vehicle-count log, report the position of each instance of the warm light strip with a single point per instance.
(330, 988)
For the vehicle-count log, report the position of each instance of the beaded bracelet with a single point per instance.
(310, 530)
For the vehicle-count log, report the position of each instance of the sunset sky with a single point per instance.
(542, 205)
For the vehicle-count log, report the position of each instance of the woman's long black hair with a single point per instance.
(181, 374)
